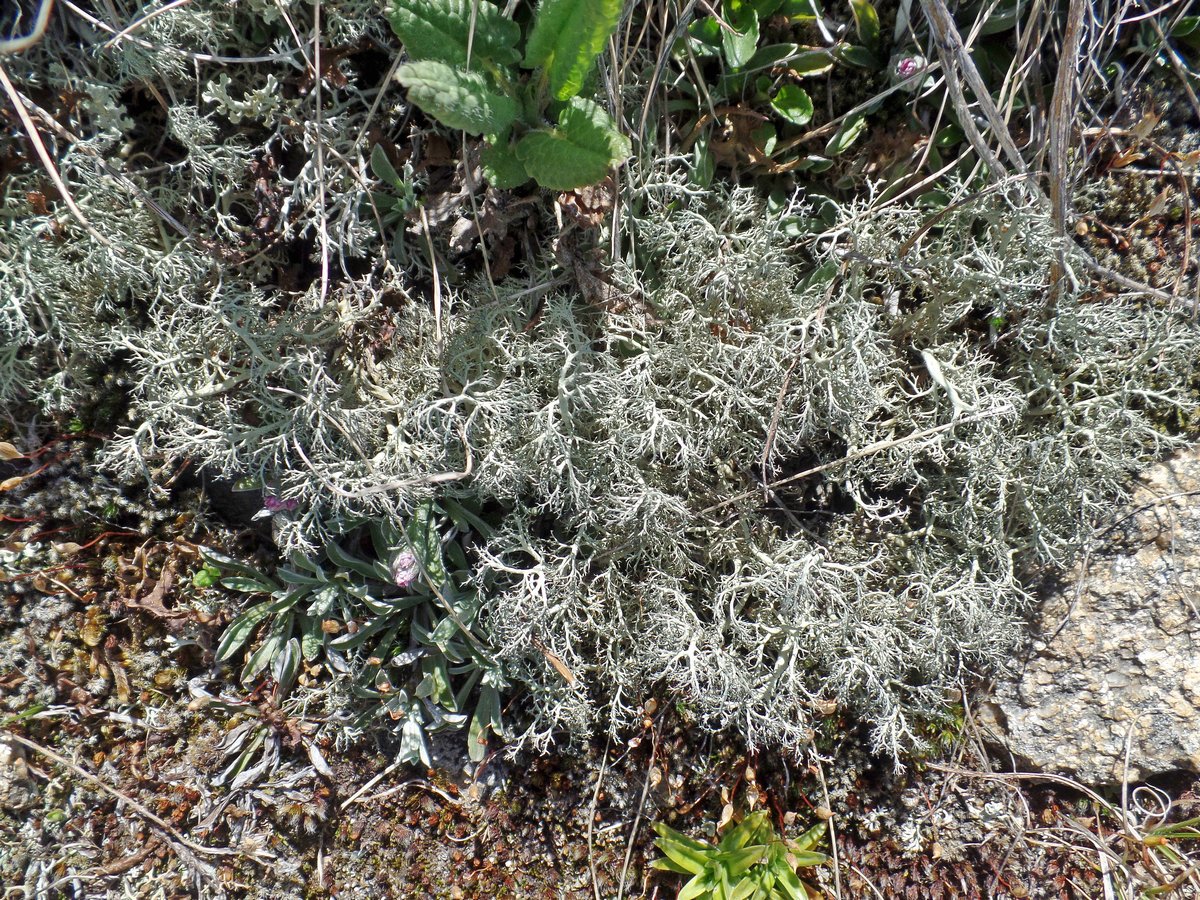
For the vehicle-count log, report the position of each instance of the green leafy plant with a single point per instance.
(751, 862)
(381, 606)
(758, 91)
(206, 576)
(462, 73)
(393, 205)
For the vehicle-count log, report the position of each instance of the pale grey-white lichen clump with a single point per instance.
(640, 447)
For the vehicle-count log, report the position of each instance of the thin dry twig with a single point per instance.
(637, 820)
(44, 155)
(592, 821)
(142, 20)
(664, 56)
(41, 20)
(831, 823)
(1062, 116)
(955, 58)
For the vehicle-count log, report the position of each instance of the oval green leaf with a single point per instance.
(441, 29)
(851, 130)
(567, 37)
(793, 104)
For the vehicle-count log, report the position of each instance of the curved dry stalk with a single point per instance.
(869, 450)
(142, 20)
(1062, 116)
(16, 45)
(44, 155)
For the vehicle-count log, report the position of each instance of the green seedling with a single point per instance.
(751, 862)
(206, 576)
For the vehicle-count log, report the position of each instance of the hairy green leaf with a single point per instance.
(703, 163)
(1185, 27)
(501, 167)
(856, 55)
(413, 746)
(311, 639)
(347, 561)
(258, 585)
(770, 56)
(441, 30)
(1002, 17)
(229, 564)
(241, 628)
(426, 543)
(866, 21)
(486, 718)
(801, 10)
(567, 37)
(810, 62)
(435, 683)
(457, 98)
(949, 136)
(764, 138)
(579, 151)
(382, 168)
(705, 35)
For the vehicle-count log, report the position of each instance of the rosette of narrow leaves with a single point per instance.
(461, 72)
(405, 643)
(750, 863)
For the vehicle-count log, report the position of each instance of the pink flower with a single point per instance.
(271, 503)
(905, 71)
(405, 568)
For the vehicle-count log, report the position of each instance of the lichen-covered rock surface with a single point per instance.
(1110, 690)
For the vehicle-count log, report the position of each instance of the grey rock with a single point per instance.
(1109, 689)
(17, 790)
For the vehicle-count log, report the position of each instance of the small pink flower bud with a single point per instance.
(405, 568)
